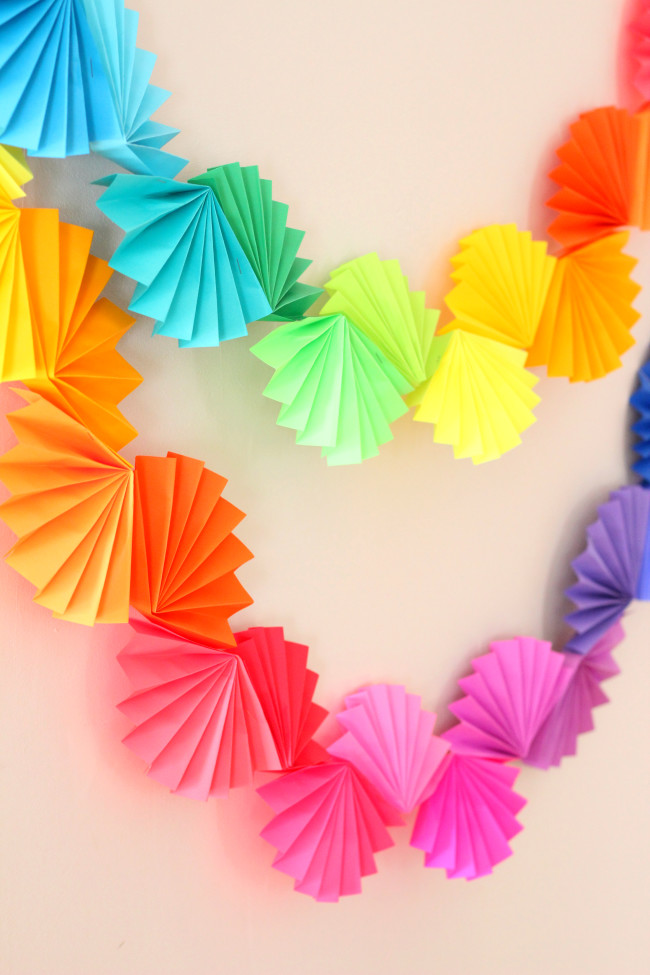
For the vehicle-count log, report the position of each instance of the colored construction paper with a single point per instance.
(14, 173)
(72, 510)
(640, 401)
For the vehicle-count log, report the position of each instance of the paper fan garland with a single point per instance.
(14, 173)
(640, 401)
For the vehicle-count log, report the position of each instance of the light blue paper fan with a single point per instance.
(640, 401)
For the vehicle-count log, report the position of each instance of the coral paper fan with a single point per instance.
(184, 552)
(285, 688)
(465, 826)
(198, 721)
(640, 401)
(390, 740)
(72, 509)
(14, 173)
(328, 825)
(571, 716)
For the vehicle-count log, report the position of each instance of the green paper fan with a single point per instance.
(260, 224)
(337, 389)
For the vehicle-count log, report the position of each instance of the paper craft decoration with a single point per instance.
(328, 825)
(260, 225)
(337, 389)
(571, 716)
(512, 691)
(14, 173)
(466, 825)
(184, 553)
(285, 687)
(640, 28)
(193, 275)
(72, 510)
(502, 276)
(198, 721)
(16, 354)
(480, 397)
(640, 401)
(586, 322)
(390, 740)
(614, 568)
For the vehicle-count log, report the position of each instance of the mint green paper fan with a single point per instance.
(260, 224)
(337, 389)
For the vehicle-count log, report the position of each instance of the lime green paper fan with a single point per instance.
(337, 389)
(260, 224)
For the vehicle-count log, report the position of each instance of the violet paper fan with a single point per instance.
(640, 401)
(390, 740)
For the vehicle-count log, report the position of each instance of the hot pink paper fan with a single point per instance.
(641, 50)
(328, 825)
(465, 826)
(390, 740)
(508, 698)
(199, 723)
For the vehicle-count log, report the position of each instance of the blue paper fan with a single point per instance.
(640, 401)
(193, 275)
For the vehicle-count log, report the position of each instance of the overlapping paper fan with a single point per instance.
(184, 553)
(586, 322)
(614, 569)
(260, 225)
(502, 276)
(640, 28)
(328, 825)
(193, 275)
(640, 401)
(337, 389)
(14, 173)
(571, 716)
(390, 740)
(480, 397)
(72, 509)
(512, 691)
(466, 825)
(16, 354)
(285, 687)
(198, 722)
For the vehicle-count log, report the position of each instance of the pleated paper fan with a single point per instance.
(193, 275)
(285, 687)
(184, 553)
(512, 691)
(586, 322)
(198, 722)
(16, 355)
(466, 825)
(614, 569)
(328, 825)
(502, 277)
(337, 389)
(390, 740)
(571, 716)
(72, 510)
(260, 225)
(480, 397)
(14, 173)
(640, 28)
(640, 401)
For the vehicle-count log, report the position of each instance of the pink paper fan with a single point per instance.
(641, 51)
(508, 698)
(390, 740)
(198, 721)
(328, 825)
(465, 826)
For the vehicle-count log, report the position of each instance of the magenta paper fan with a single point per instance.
(571, 716)
(199, 723)
(640, 28)
(465, 826)
(508, 697)
(390, 740)
(328, 825)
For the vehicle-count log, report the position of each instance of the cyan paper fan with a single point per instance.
(640, 401)
(193, 275)
(260, 225)
(339, 392)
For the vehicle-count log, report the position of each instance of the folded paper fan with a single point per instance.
(480, 397)
(198, 721)
(502, 277)
(465, 826)
(588, 315)
(14, 173)
(17, 357)
(571, 716)
(285, 688)
(328, 825)
(640, 401)
(390, 740)
(614, 568)
(193, 275)
(72, 509)
(339, 391)
(184, 552)
(640, 28)
(260, 225)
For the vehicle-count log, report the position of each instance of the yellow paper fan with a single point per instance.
(14, 172)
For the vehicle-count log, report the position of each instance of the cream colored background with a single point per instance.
(398, 127)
